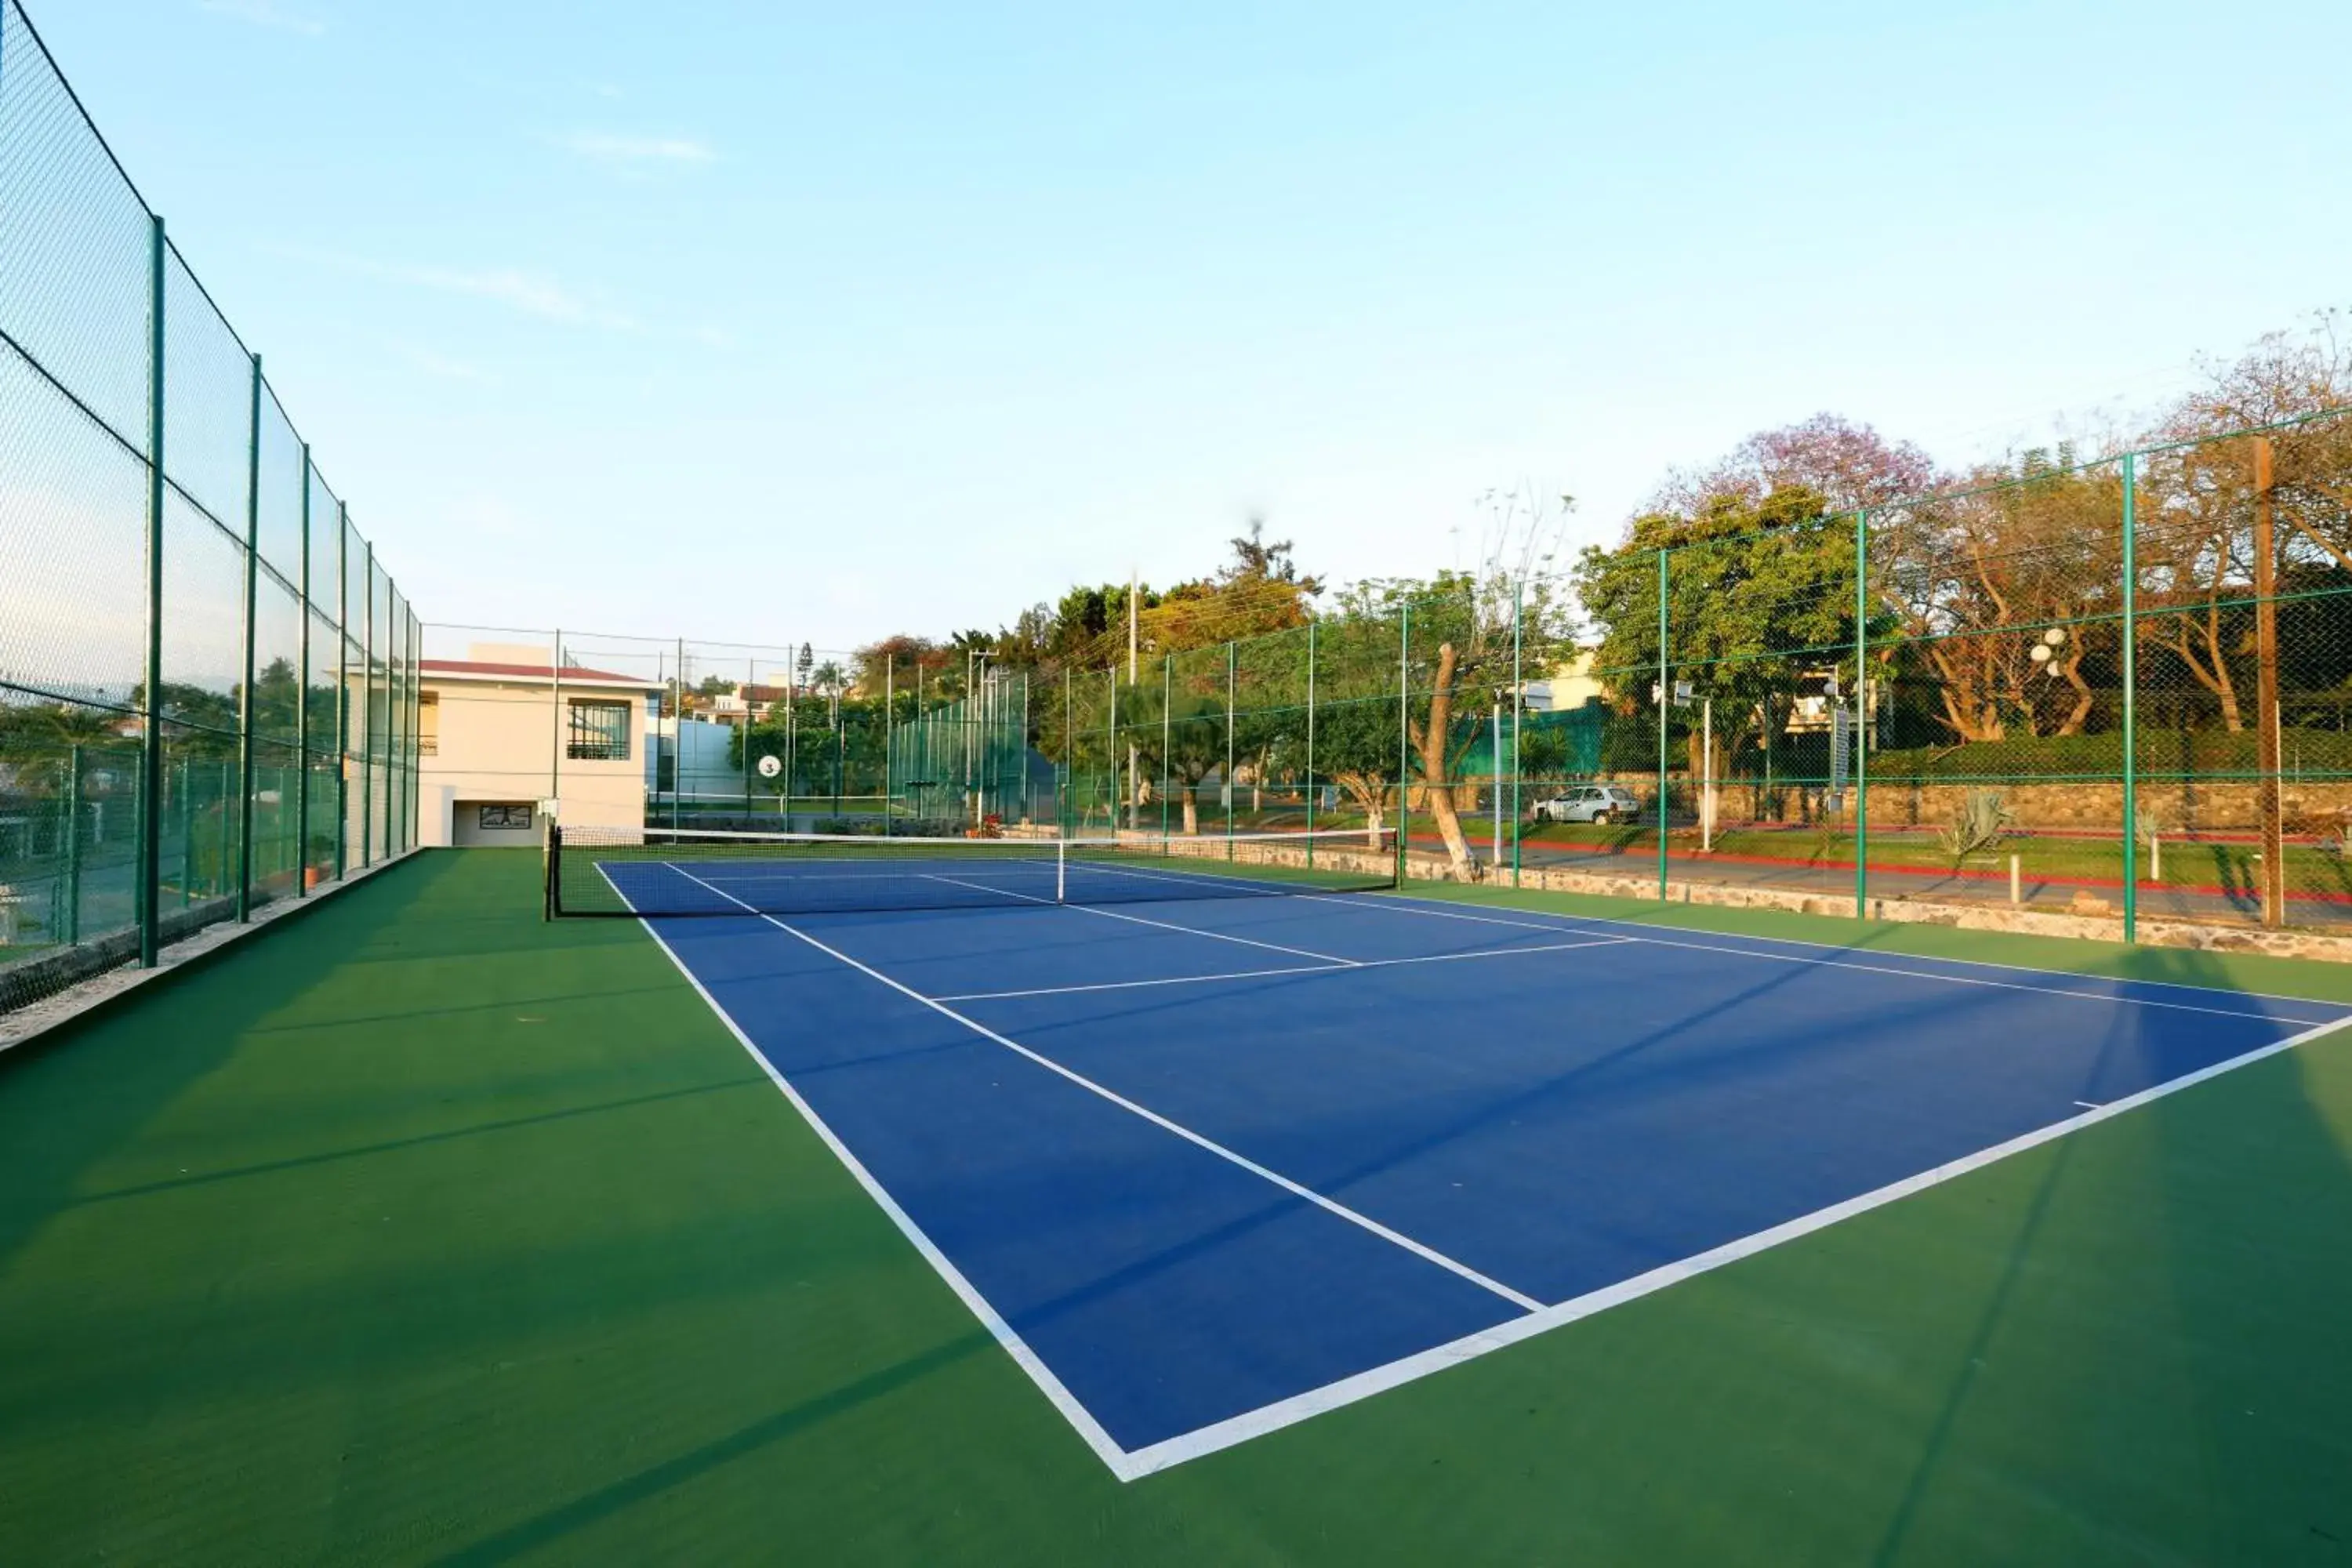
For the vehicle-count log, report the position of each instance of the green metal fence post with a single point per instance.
(1861, 715)
(343, 690)
(147, 894)
(246, 715)
(2131, 695)
(1665, 692)
(367, 718)
(69, 929)
(1167, 708)
(187, 803)
(302, 708)
(1519, 706)
(1229, 749)
(1405, 737)
(1311, 787)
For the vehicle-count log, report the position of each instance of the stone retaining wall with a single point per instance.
(2097, 926)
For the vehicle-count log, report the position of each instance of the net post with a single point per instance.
(245, 709)
(148, 891)
(1663, 692)
(302, 706)
(1861, 713)
(2131, 695)
(1061, 870)
(554, 856)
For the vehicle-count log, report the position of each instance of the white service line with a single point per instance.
(1332, 1205)
(1141, 920)
(1402, 908)
(1294, 969)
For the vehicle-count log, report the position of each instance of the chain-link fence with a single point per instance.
(207, 688)
(2107, 688)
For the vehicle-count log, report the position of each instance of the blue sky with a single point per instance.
(765, 322)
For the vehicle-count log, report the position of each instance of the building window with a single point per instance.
(600, 732)
(428, 724)
(506, 815)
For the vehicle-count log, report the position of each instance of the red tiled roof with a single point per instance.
(535, 671)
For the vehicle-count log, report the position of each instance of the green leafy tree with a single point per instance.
(1759, 596)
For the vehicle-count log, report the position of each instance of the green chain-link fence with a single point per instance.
(206, 683)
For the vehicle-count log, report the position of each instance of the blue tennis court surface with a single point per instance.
(1208, 1167)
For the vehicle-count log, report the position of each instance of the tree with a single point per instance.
(1977, 577)
(1848, 466)
(1759, 596)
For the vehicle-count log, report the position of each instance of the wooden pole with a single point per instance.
(2266, 723)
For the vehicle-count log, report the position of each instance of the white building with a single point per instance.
(503, 735)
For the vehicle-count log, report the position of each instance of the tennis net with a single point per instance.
(653, 871)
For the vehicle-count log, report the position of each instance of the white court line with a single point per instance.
(1282, 1412)
(1132, 1464)
(1433, 906)
(1406, 907)
(1295, 969)
(1138, 919)
(1332, 1205)
(1088, 1429)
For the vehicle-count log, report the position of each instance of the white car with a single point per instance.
(1590, 803)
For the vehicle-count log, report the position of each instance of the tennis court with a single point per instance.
(1208, 1163)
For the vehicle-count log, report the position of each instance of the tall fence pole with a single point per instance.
(1311, 787)
(1229, 749)
(245, 713)
(2266, 661)
(367, 718)
(343, 690)
(1405, 736)
(1665, 694)
(1110, 739)
(1518, 707)
(302, 706)
(677, 747)
(1861, 710)
(2131, 695)
(147, 894)
(1167, 710)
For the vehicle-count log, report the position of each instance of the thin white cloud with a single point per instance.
(605, 147)
(443, 366)
(264, 13)
(527, 292)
